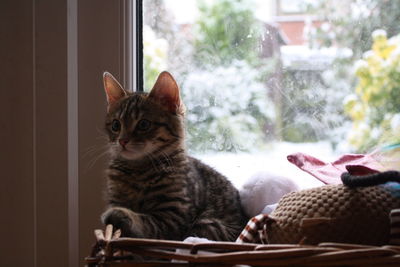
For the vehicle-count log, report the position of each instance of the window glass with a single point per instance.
(264, 79)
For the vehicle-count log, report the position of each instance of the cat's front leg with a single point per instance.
(125, 220)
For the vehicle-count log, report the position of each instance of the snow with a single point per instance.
(238, 167)
(185, 12)
(303, 57)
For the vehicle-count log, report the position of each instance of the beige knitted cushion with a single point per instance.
(333, 213)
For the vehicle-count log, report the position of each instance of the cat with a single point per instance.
(154, 188)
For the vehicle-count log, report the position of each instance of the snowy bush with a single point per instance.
(227, 108)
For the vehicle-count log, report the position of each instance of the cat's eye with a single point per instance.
(143, 125)
(115, 125)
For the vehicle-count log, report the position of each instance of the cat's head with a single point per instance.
(143, 125)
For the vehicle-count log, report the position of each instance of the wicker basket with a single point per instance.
(368, 215)
(116, 251)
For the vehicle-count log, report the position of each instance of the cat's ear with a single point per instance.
(113, 89)
(166, 93)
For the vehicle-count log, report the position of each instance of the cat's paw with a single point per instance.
(119, 219)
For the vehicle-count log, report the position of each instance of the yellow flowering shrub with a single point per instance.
(375, 106)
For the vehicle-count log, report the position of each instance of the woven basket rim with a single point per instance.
(120, 250)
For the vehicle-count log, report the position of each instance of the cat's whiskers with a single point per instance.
(101, 133)
(90, 151)
(93, 161)
(103, 138)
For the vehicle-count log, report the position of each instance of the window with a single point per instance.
(264, 79)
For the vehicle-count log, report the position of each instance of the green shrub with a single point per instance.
(375, 106)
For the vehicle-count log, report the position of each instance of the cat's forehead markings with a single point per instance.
(137, 114)
(124, 109)
(127, 107)
(121, 111)
(130, 111)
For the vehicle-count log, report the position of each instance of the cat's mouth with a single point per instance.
(132, 150)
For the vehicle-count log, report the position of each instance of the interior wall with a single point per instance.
(35, 115)
(99, 50)
(51, 193)
(34, 195)
(16, 135)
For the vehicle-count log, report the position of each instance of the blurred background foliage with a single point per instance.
(226, 31)
(375, 106)
(230, 117)
(221, 77)
(371, 74)
(226, 83)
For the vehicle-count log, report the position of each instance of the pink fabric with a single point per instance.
(329, 173)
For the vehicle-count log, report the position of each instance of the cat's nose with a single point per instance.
(123, 142)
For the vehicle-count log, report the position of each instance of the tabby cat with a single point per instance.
(155, 190)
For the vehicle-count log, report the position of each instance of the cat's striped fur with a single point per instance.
(155, 190)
